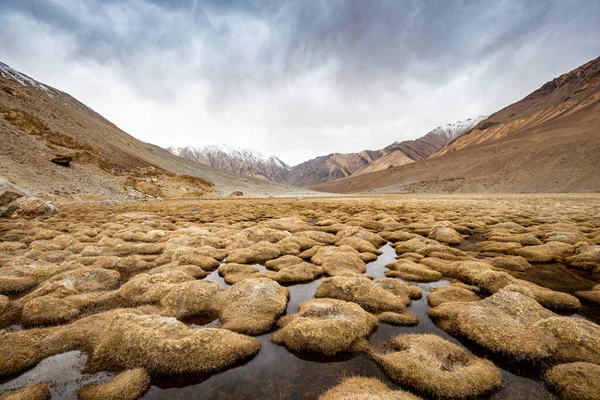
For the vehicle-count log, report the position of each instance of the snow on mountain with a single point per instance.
(235, 159)
(24, 80)
(451, 132)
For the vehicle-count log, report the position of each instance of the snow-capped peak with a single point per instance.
(454, 130)
(239, 154)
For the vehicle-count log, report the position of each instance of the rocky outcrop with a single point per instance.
(17, 202)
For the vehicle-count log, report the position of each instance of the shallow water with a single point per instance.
(63, 372)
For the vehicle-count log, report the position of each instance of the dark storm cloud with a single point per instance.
(376, 70)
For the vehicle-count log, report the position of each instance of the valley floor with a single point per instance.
(432, 296)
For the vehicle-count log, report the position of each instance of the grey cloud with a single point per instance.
(308, 67)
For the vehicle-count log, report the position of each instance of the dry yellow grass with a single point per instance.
(39, 391)
(359, 388)
(127, 385)
(575, 381)
(326, 326)
(437, 368)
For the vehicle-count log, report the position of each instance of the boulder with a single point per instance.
(62, 160)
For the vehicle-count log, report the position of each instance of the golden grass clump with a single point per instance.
(399, 288)
(489, 280)
(127, 385)
(298, 273)
(565, 237)
(352, 231)
(426, 247)
(510, 263)
(358, 244)
(38, 391)
(326, 326)
(575, 381)
(586, 258)
(446, 235)
(252, 306)
(191, 298)
(283, 262)
(447, 294)
(233, 273)
(518, 327)
(255, 254)
(437, 368)
(411, 271)
(163, 345)
(317, 236)
(344, 263)
(547, 252)
(77, 281)
(400, 319)
(46, 310)
(593, 296)
(498, 247)
(503, 235)
(363, 292)
(361, 388)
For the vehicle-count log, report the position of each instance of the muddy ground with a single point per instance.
(284, 297)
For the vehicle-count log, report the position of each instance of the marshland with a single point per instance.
(401, 296)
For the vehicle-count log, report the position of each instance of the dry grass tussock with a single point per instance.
(436, 368)
(575, 381)
(519, 328)
(360, 388)
(127, 385)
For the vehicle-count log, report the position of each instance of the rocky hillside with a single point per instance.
(547, 142)
(234, 159)
(38, 123)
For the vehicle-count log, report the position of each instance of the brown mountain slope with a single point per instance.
(330, 167)
(564, 95)
(38, 122)
(335, 166)
(547, 142)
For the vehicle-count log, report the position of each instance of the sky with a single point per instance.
(296, 79)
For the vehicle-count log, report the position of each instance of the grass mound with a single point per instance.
(452, 293)
(437, 368)
(325, 326)
(39, 391)
(575, 381)
(252, 306)
(363, 292)
(163, 345)
(360, 388)
(412, 271)
(128, 385)
(519, 328)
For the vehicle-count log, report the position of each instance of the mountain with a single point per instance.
(339, 165)
(235, 159)
(547, 142)
(39, 122)
(408, 151)
(325, 168)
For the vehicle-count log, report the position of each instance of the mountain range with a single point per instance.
(329, 167)
(39, 122)
(547, 142)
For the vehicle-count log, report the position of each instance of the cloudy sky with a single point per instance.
(295, 78)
